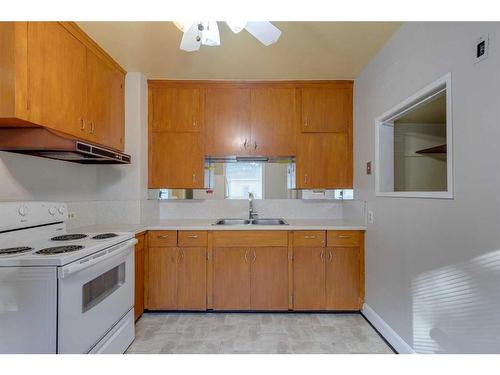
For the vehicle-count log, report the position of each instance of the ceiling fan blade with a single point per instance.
(236, 26)
(264, 31)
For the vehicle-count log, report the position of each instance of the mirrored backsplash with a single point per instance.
(236, 180)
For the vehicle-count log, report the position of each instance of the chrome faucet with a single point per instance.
(252, 214)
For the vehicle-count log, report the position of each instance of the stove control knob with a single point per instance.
(61, 210)
(52, 211)
(23, 210)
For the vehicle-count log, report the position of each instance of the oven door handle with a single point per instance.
(82, 264)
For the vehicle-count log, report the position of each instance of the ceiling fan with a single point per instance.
(207, 33)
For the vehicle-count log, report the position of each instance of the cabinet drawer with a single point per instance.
(344, 238)
(309, 238)
(162, 238)
(245, 238)
(192, 238)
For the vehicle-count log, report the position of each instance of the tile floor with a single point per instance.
(255, 333)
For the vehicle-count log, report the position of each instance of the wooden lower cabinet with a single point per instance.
(269, 278)
(329, 278)
(192, 279)
(139, 276)
(260, 270)
(177, 278)
(343, 278)
(162, 278)
(231, 286)
(309, 278)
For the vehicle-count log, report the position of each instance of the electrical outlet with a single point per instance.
(71, 215)
(370, 217)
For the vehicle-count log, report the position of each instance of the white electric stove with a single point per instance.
(62, 292)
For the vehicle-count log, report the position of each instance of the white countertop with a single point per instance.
(207, 224)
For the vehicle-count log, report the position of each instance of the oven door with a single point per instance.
(94, 294)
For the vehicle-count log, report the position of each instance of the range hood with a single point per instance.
(45, 143)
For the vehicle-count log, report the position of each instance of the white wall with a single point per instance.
(433, 265)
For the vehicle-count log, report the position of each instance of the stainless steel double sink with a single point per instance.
(251, 222)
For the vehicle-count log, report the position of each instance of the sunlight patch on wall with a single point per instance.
(455, 308)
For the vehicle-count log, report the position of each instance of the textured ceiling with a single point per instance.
(306, 50)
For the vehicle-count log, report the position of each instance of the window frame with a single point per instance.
(381, 124)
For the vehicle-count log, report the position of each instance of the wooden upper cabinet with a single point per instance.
(176, 160)
(324, 161)
(175, 108)
(57, 81)
(55, 76)
(116, 131)
(273, 121)
(327, 109)
(227, 121)
(104, 120)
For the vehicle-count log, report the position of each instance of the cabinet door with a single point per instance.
(343, 278)
(176, 160)
(192, 278)
(308, 278)
(227, 121)
(105, 103)
(327, 109)
(139, 277)
(269, 278)
(324, 160)
(273, 121)
(56, 78)
(231, 287)
(162, 278)
(175, 108)
(115, 135)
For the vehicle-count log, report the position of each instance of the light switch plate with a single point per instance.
(369, 167)
(481, 48)
(370, 217)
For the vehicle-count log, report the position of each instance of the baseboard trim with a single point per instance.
(385, 330)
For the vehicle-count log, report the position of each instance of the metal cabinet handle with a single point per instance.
(246, 256)
(194, 177)
(245, 144)
(194, 122)
(306, 122)
(193, 236)
(343, 236)
(82, 124)
(305, 178)
(254, 256)
(255, 145)
(309, 237)
(163, 236)
(330, 256)
(322, 255)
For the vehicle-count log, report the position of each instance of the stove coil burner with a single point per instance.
(104, 236)
(15, 250)
(59, 249)
(69, 237)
